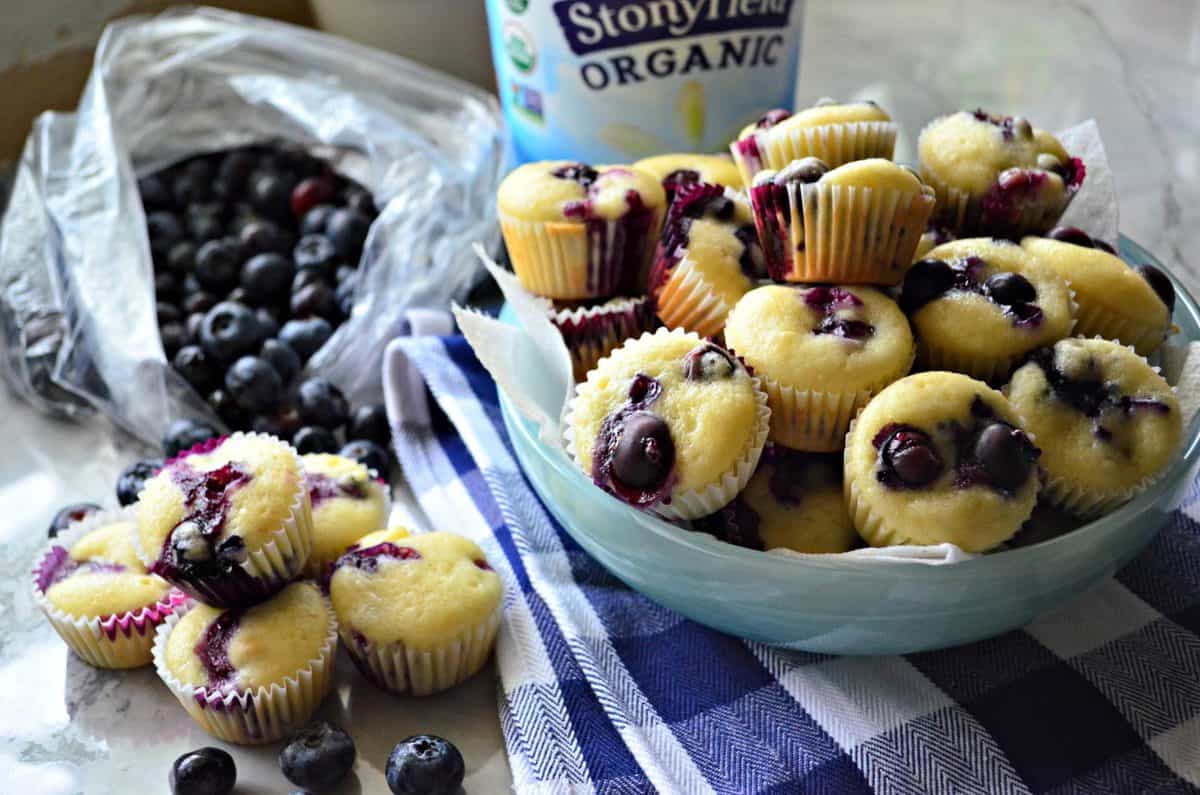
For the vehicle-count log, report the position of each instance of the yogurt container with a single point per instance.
(616, 80)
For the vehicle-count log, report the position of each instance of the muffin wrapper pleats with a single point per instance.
(1086, 503)
(577, 260)
(399, 669)
(685, 300)
(962, 213)
(1097, 320)
(804, 419)
(695, 503)
(271, 566)
(836, 144)
(115, 641)
(264, 714)
(839, 233)
(591, 333)
(316, 568)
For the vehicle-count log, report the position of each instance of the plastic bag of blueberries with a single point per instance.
(169, 97)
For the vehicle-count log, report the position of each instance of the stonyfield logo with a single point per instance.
(592, 25)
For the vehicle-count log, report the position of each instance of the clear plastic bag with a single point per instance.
(77, 306)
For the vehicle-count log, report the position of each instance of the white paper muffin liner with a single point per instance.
(812, 420)
(259, 715)
(613, 322)
(694, 503)
(397, 668)
(561, 260)
(273, 565)
(962, 212)
(685, 300)
(846, 234)
(836, 144)
(316, 568)
(122, 640)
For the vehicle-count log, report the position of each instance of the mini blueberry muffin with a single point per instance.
(939, 458)
(859, 223)
(97, 594)
(833, 132)
(348, 501)
(676, 171)
(794, 501)
(821, 353)
(1116, 301)
(591, 330)
(228, 521)
(996, 175)
(255, 674)
(706, 261)
(575, 232)
(979, 305)
(669, 423)
(933, 237)
(1107, 422)
(418, 614)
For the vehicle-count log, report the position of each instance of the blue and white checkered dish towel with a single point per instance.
(604, 690)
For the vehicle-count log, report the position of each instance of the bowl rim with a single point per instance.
(785, 564)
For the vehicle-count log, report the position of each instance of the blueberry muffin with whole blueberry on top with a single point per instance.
(997, 175)
(251, 675)
(418, 613)
(669, 423)
(348, 501)
(676, 171)
(979, 305)
(1116, 301)
(858, 223)
(821, 352)
(229, 521)
(707, 258)
(938, 458)
(834, 132)
(793, 502)
(1107, 422)
(576, 232)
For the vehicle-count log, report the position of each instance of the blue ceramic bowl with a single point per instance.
(840, 605)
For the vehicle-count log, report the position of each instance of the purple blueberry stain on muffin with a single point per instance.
(677, 179)
(771, 194)
(691, 203)
(367, 559)
(930, 279)
(59, 566)
(832, 303)
(322, 487)
(213, 649)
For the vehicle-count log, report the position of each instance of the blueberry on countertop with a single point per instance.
(317, 757)
(134, 477)
(370, 422)
(206, 771)
(424, 765)
(184, 434)
(68, 514)
(369, 454)
(322, 403)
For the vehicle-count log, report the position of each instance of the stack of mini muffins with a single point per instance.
(800, 283)
(205, 576)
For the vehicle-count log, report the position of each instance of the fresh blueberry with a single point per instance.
(154, 193)
(318, 757)
(229, 331)
(370, 422)
(166, 286)
(1005, 455)
(310, 192)
(226, 407)
(217, 264)
(165, 230)
(305, 336)
(193, 324)
(802, 171)
(185, 434)
(1009, 289)
(259, 236)
(316, 252)
(303, 278)
(925, 281)
(360, 199)
(347, 230)
(181, 258)
(134, 477)
(910, 455)
(708, 362)
(199, 301)
(346, 273)
(645, 453)
(268, 326)
(254, 384)
(317, 299)
(424, 765)
(316, 219)
(266, 276)
(580, 173)
(322, 403)
(204, 222)
(282, 424)
(1070, 234)
(344, 295)
(174, 336)
(1103, 246)
(233, 172)
(194, 365)
(270, 192)
(207, 771)
(167, 312)
(282, 358)
(1161, 284)
(314, 439)
(69, 514)
(369, 455)
(238, 296)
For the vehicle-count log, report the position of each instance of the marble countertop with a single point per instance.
(1134, 67)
